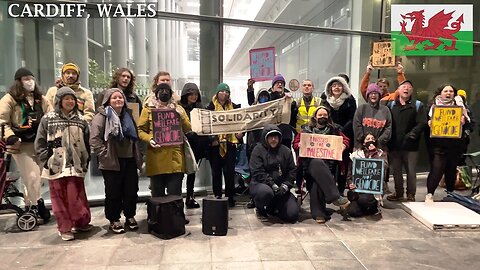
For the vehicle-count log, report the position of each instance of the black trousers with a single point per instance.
(171, 182)
(225, 165)
(323, 188)
(443, 161)
(121, 188)
(264, 199)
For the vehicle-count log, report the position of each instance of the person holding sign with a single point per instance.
(383, 83)
(114, 139)
(165, 161)
(273, 172)
(445, 148)
(223, 148)
(320, 173)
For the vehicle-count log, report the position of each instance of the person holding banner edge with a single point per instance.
(223, 148)
(383, 83)
(320, 173)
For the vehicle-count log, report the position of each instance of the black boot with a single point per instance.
(43, 212)
(191, 203)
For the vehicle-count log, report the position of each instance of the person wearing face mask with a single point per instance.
(320, 173)
(445, 153)
(115, 140)
(165, 165)
(21, 110)
(71, 78)
(223, 148)
(383, 83)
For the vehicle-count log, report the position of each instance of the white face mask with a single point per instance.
(29, 85)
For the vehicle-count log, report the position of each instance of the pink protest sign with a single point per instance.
(262, 64)
(167, 127)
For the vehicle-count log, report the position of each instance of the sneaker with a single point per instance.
(251, 204)
(117, 227)
(395, 197)
(66, 236)
(262, 216)
(410, 197)
(341, 202)
(320, 220)
(85, 228)
(131, 224)
(429, 198)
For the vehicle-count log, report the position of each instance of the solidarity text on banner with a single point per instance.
(205, 122)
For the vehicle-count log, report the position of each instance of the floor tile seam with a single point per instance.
(355, 256)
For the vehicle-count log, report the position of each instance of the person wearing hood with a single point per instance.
(373, 118)
(223, 148)
(319, 173)
(273, 171)
(165, 165)
(114, 139)
(71, 78)
(62, 147)
(190, 99)
(445, 153)
(342, 106)
(383, 83)
(123, 79)
(21, 110)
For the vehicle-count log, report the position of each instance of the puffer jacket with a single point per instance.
(272, 165)
(61, 143)
(105, 150)
(166, 159)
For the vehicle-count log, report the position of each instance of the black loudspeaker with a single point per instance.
(215, 216)
(166, 218)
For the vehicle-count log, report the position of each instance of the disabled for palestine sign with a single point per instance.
(321, 146)
(368, 175)
(206, 122)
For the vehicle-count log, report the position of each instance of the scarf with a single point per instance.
(224, 138)
(337, 102)
(322, 131)
(439, 101)
(113, 125)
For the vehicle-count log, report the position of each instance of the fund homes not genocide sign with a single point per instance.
(321, 146)
(368, 175)
(167, 127)
(205, 122)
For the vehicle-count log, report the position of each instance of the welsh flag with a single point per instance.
(432, 30)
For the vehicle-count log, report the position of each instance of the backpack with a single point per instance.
(166, 218)
(392, 103)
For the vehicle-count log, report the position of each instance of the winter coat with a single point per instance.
(131, 98)
(343, 115)
(13, 117)
(165, 159)
(272, 165)
(408, 123)
(61, 143)
(376, 120)
(386, 96)
(85, 101)
(106, 150)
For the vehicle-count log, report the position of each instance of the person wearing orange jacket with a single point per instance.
(383, 83)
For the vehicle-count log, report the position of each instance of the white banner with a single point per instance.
(205, 122)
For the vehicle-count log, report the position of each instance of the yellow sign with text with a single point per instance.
(446, 122)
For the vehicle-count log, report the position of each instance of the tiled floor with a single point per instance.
(393, 241)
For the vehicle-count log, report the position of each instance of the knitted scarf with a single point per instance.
(224, 138)
(337, 102)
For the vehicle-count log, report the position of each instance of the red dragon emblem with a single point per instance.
(437, 28)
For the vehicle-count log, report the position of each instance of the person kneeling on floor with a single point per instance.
(273, 172)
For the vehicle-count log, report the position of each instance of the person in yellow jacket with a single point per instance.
(306, 104)
(165, 165)
(71, 78)
(20, 112)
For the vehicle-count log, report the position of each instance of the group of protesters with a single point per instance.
(53, 136)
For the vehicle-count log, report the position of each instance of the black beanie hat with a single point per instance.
(21, 72)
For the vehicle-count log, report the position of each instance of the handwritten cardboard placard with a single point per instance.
(383, 54)
(167, 127)
(446, 122)
(262, 64)
(368, 175)
(135, 107)
(321, 146)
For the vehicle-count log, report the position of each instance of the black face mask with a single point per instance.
(322, 121)
(164, 97)
(367, 144)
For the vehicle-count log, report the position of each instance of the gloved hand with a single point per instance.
(283, 189)
(275, 188)
(154, 144)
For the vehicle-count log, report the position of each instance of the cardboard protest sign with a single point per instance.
(321, 146)
(262, 64)
(167, 127)
(205, 122)
(446, 122)
(368, 175)
(383, 54)
(135, 107)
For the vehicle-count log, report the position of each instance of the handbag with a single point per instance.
(191, 165)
